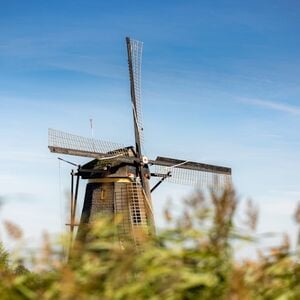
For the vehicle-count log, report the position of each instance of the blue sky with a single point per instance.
(220, 85)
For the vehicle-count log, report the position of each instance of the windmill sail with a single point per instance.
(192, 173)
(66, 143)
(134, 51)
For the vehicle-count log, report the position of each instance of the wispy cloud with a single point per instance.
(279, 106)
(17, 196)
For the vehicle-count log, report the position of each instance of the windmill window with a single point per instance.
(102, 194)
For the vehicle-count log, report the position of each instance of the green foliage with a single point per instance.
(191, 259)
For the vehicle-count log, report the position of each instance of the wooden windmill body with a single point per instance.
(118, 177)
(115, 191)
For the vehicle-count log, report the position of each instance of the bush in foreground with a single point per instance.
(192, 259)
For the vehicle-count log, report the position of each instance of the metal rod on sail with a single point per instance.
(161, 181)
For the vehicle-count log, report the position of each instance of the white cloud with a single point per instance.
(283, 107)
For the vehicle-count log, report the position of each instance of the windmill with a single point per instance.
(118, 176)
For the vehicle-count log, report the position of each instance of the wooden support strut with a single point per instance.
(76, 196)
(73, 201)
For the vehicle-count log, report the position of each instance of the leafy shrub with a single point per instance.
(191, 259)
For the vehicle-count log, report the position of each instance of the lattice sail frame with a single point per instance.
(66, 143)
(141, 214)
(197, 179)
(136, 48)
(195, 174)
